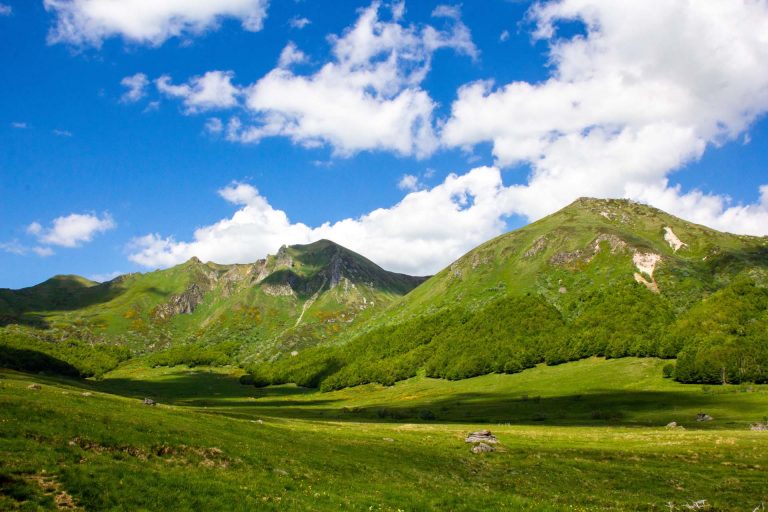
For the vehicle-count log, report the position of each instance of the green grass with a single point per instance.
(587, 435)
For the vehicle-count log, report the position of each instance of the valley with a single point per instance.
(583, 436)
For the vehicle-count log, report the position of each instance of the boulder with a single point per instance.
(482, 448)
(759, 427)
(702, 416)
(34, 386)
(672, 424)
(149, 401)
(481, 436)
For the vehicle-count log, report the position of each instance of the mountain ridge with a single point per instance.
(295, 298)
(603, 278)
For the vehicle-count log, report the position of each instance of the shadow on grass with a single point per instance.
(33, 361)
(600, 408)
(196, 387)
(216, 393)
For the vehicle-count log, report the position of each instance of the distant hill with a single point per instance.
(601, 277)
(202, 312)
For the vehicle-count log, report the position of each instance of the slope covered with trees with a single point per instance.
(599, 278)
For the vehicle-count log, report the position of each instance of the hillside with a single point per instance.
(200, 312)
(599, 278)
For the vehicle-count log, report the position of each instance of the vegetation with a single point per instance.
(583, 436)
(562, 289)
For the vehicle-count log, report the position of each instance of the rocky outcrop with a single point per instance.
(183, 303)
(278, 290)
(539, 245)
(671, 238)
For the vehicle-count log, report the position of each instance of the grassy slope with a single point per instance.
(203, 447)
(502, 265)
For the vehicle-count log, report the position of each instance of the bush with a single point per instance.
(668, 371)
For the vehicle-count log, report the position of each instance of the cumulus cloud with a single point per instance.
(136, 86)
(419, 235)
(152, 22)
(648, 88)
(72, 230)
(367, 97)
(213, 90)
(5, 10)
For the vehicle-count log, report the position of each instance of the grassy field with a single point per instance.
(587, 435)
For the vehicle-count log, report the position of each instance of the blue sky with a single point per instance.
(408, 132)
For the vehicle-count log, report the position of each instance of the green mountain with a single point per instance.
(201, 312)
(607, 278)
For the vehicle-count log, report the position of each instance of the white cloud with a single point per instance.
(291, 55)
(214, 125)
(19, 249)
(409, 182)
(504, 36)
(646, 91)
(43, 252)
(90, 22)
(419, 235)
(14, 247)
(136, 86)
(19, 125)
(213, 90)
(368, 97)
(5, 10)
(299, 22)
(72, 230)
(61, 133)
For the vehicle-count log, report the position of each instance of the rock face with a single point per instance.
(183, 303)
(481, 436)
(671, 238)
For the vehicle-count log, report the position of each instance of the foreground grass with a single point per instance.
(582, 436)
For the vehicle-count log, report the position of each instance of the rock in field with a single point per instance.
(481, 436)
(149, 401)
(759, 427)
(482, 448)
(34, 386)
(702, 416)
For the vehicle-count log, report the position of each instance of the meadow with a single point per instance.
(587, 435)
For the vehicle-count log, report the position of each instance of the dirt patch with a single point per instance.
(52, 487)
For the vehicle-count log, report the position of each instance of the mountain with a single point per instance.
(600, 277)
(203, 312)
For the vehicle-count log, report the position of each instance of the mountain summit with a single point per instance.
(296, 298)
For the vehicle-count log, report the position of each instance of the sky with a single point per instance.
(135, 134)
